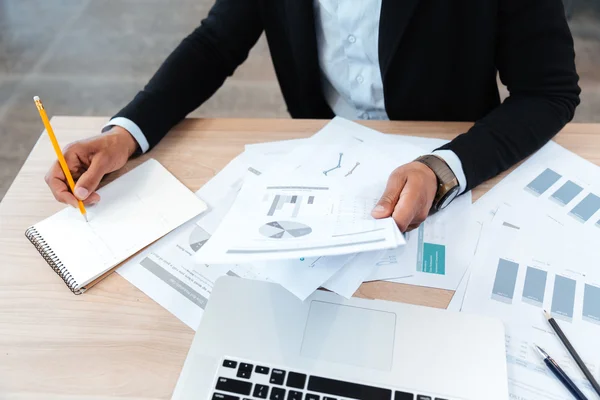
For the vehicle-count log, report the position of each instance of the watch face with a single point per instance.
(451, 195)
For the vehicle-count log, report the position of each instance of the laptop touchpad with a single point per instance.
(349, 335)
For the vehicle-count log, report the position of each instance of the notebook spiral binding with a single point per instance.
(53, 261)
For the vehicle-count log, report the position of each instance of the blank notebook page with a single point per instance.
(134, 211)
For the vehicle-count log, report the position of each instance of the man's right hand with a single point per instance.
(89, 160)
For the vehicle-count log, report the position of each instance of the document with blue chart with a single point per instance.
(527, 262)
(556, 182)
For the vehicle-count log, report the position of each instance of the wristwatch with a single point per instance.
(448, 187)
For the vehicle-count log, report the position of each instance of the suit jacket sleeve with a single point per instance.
(196, 68)
(535, 59)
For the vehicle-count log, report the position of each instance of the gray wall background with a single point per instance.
(90, 57)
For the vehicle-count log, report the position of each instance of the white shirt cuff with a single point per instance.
(133, 130)
(455, 165)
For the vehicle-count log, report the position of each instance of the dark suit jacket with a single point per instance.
(438, 58)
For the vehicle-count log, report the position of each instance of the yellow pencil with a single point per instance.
(59, 154)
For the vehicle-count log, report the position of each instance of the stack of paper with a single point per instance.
(538, 251)
(298, 213)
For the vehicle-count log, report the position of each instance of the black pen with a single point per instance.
(563, 338)
(560, 374)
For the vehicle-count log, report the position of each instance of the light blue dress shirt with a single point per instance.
(347, 41)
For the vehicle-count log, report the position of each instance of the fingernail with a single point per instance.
(81, 193)
(379, 208)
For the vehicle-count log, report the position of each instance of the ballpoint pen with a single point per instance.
(560, 374)
(59, 154)
(563, 338)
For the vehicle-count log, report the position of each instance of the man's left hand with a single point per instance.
(408, 196)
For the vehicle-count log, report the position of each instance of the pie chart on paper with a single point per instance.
(284, 230)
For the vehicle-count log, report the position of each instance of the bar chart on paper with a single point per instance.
(563, 298)
(566, 193)
(535, 286)
(584, 208)
(505, 281)
(591, 304)
(290, 206)
(539, 288)
(543, 182)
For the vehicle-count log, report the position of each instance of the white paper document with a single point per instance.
(554, 181)
(529, 262)
(302, 276)
(167, 273)
(442, 247)
(354, 273)
(295, 218)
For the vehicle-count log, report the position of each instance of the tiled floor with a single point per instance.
(89, 57)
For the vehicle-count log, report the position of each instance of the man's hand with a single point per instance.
(89, 160)
(408, 196)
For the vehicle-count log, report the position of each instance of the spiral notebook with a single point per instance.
(135, 210)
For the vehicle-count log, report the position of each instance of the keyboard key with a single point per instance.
(311, 396)
(296, 380)
(294, 395)
(233, 386)
(277, 394)
(423, 397)
(246, 367)
(347, 389)
(229, 364)
(260, 391)
(277, 377)
(404, 396)
(439, 398)
(329, 398)
(221, 396)
(262, 370)
(245, 371)
(243, 374)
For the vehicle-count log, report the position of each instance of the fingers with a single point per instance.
(90, 179)
(409, 209)
(92, 199)
(408, 196)
(387, 202)
(55, 178)
(57, 182)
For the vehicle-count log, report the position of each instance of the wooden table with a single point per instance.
(113, 341)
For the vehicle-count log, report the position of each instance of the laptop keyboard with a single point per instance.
(238, 380)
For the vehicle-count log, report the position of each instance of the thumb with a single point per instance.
(386, 204)
(88, 182)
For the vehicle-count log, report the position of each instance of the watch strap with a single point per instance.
(446, 180)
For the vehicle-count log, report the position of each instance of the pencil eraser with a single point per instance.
(36, 98)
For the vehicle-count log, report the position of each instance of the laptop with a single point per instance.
(258, 341)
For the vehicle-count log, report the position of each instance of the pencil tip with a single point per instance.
(86, 218)
(547, 314)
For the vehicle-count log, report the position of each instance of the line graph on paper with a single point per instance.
(352, 170)
(338, 166)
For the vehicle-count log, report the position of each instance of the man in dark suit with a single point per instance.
(432, 60)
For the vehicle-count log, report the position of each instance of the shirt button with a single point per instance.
(360, 79)
(351, 39)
